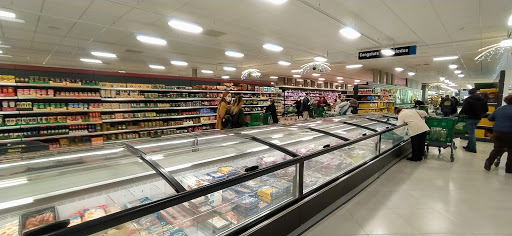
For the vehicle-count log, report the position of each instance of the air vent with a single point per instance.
(133, 51)
(213, 33)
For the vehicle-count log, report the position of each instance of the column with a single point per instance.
(376, 76)
(194, 72)
(382, 77)
(392, 81)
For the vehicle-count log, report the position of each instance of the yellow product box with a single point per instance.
(72, 84)
(55, 83)
(120, 85)
(491, 90)
(486, 122)
(71, 109)
(140, 86)
(105, 85)
(480, 133)
(39, 109)
(266, 193)
(148, 86)
(492, 109)
(131, 86)
(224, 170)
(267, 200)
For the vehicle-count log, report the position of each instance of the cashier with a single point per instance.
(417, 129)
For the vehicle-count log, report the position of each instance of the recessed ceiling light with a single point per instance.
(225, 76)
(296, 71)
(469, 86)
(350, 85)
(185, 26)
(121, 71)
(229, 68)
(340, 78)
(104, 54)
(273, 77)
(349, 32)
(320, 82)
(158, 67)
(341, 81)
(354, 66)
(179, 63)
(4, 46)
(387, 52)
(506, 42)
(321, 59)
(457, 71)
(3, 55)
(442, 78)
(277, 2)
(411, 73)
(284, 63)
(296, 76)
(399, 69)
(461, 75)
(452, 66)
(1, 51)
(234, 54)
(357, 80)
(272, 47)
(90, 60)
(151, 40)
(510, 21)
(453, 85)
(207, 71)
(355, 83)
(321, 78)
(7, 14)
(445, 58)
(315, 74)
(299, 79)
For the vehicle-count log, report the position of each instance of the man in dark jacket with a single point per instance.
(271, 108)
(447, 106)
(305, 107)
(474, 107)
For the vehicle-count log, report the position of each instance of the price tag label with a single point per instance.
(57, 136)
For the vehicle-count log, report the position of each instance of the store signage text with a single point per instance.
(399, 51)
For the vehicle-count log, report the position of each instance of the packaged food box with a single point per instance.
(175, 217)
(252, 185)
(205, 178)
(218, 223)
(137, 202)
(34, 219)
(9, 229)
(241, 190)
(215, 198)
(229, 196)
(247, 202)
(267, 192)
(93, 213)
(232, 217)
(105, 85)
(216, 175)
(190, 182)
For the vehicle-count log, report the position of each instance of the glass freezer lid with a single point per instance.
(344, 130)
(51, 173)
(372, 124)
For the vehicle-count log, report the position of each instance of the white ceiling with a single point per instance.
(60, 32)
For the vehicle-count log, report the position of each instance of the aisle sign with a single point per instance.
(399, 51)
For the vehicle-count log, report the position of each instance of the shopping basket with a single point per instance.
(460, 127)
(318, 112)
(441, 134)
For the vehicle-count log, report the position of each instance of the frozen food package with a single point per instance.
(229, 196)
(9, 229)
(218, 222)
(247, 202)
(252, 185)
(191, 182)
(137, 202)
(205, 178)
(240, 190)
(112, 209)
(93, 213)
(223, 208)
(75, 219)
(150, 224)
(37, 218)
(228, 171)
(266, 161)
(232, 217)
(216, 175)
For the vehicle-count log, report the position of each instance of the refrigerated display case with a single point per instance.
(208, 183)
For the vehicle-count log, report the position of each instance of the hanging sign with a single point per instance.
(399, 51)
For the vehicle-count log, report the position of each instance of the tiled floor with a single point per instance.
(432, 197)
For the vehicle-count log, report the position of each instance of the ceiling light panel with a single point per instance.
(277, 2)
(272, 47)
(457, 71)
(445, 58)
(104, 54)
(321, 78)
(354, 66)
(225, 77)
(234, 54)
(185, 26)
(4, 46)
(399, 69)
(273, 77)
(229, 68)
(158, 67)
(300, 80)
(179, 63)
(349, 32)
(510, 21)
(452, 66)
(296, 76)
(151, 40)
(296, 71)
(91, 60)
(284, 63)
(411, 73)
(207, 71)
(7, 14)
(460, 75)
(315, 74)
(357, 80)
(320, 59)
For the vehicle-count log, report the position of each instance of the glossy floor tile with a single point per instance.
(434, 197)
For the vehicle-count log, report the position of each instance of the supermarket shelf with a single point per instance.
(376, 101)
(10, 140)
(157, 99)
(50, 85)
(105, 110)
(263, 99)
(59, 124)
(9, 112)
(157, 118)
(50, 98)
(253, 112)
(185, 90)
(8, 98)
(484, 127)
(10, 127)
(309, 88)
(492, 103)
(254, 105)
(375, 94)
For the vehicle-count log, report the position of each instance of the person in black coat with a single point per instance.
(271, 108)
(474, 108)
(298, 107)
(305, 106)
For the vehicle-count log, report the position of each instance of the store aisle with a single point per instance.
(433, 197)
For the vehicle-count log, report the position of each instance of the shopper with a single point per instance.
(474, 107)
(353, 106)
(416, 128)
(418, 103)
(222, 108)
(343, 108)
(447, 106)
(457, 102)
(237, 113)
(501, 135)
(298, 107)
(305, 107)
(271, 108)
(321, 102)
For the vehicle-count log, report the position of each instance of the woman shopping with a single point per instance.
(417, 129)
(501, 135)
(271, 108)
(222, 108)
(237, 113)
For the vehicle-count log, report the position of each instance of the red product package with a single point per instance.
(33, 219)
(174, 218)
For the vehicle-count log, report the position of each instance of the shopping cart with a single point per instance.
(441, 134)
(258, 119)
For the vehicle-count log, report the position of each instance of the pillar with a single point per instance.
(382, 77)
(386, 78)
(376, 76)
(194, 72)
(392, 80)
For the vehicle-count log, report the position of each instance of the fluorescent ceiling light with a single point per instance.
(7, 14)
(4, 46)
(339, 78)
(355, 83)
(453, 85)
(457, 71)
(461, 75)
(121, 71)
(90, 60)
(296, 76)
(1, 51)
(445, 58)
(506, 42)
(387, 52)
(350, 85)
(179, 63)
(399, 69)
(321, 59)
(354, 66)
(442, 78)
(272, 47)
(5, 55)
(349, 32)
(453, 66)
(296, 71)
(320, 82)
(411, 73)
(277, 2)
(321, 78)
(207, 71)
(229, 68)
(469, 86)
(299, 80)
(104, 54)
(159, 67)
(284, 63)
(225, 76)
(273, 77)
(151, 40)
(341, 81)
(510, 21)
(185, 26)
(315, 74)
(357, 80)
(234, 54)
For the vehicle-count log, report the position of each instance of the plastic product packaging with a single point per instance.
(93, 213)
(228, 171)
(75, 219)
(266, 161)
(191, 182)
(216, 176)
(37, 218)
(231, 217)
(10, 229)
(229, 196)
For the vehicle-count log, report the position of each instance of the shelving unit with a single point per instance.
(291, 93)
(366, 96)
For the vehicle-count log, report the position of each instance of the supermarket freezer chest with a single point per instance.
(208, 183)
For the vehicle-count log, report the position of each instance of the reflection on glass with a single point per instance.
(391, 138)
